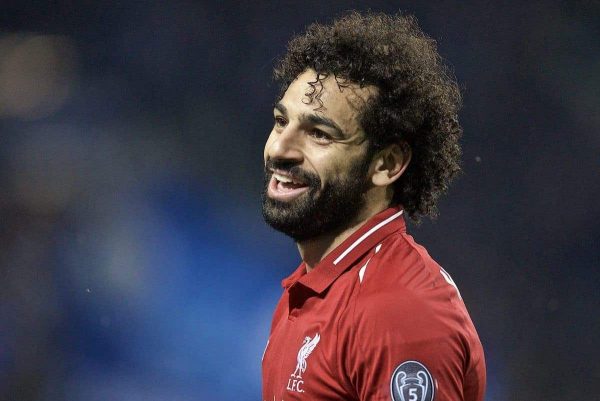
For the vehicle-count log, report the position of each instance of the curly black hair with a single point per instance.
(417, 103)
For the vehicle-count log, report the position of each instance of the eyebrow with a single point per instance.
(315, 119)
(280, 107)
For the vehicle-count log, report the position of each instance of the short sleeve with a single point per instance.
(404, 346)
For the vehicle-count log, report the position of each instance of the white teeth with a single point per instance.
(281, 178)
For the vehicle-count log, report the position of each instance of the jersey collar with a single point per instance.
(373, 232)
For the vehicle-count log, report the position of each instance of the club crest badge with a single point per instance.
(411, 381)
(295, 382)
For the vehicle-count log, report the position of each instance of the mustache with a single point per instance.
(292, 169)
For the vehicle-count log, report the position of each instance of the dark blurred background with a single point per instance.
(134, 263)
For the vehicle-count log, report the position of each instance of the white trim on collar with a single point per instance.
(365, 235)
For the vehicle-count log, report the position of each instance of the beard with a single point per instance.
(318, 211)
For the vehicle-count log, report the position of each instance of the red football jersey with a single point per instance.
(376, 319)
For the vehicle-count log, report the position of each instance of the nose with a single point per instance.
(285, 145)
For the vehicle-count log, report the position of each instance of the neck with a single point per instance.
(314, 250)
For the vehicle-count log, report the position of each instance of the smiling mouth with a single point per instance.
(285, 188)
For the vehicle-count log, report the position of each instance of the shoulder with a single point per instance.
(401, 267)
(405, 291)
(407, 308)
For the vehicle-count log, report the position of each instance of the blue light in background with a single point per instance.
(185, 306)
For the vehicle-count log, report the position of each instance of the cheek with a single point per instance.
(327, 166)
(335, 165)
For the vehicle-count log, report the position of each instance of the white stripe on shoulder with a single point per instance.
(361, 272)
(365, 235)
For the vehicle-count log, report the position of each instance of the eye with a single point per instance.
(320, 136)
(280, 122)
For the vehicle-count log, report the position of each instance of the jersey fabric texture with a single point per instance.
(376, 319)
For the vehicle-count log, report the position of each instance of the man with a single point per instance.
(365, 133)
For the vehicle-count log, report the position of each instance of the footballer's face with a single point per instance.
(316, 159)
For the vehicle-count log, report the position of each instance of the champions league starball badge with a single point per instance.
(411, 381)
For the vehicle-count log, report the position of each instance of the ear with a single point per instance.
(390, 163)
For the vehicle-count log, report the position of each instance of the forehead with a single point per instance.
(337, 99)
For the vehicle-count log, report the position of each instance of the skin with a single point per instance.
(328, 140)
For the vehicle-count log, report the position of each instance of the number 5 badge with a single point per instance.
(411, 381)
